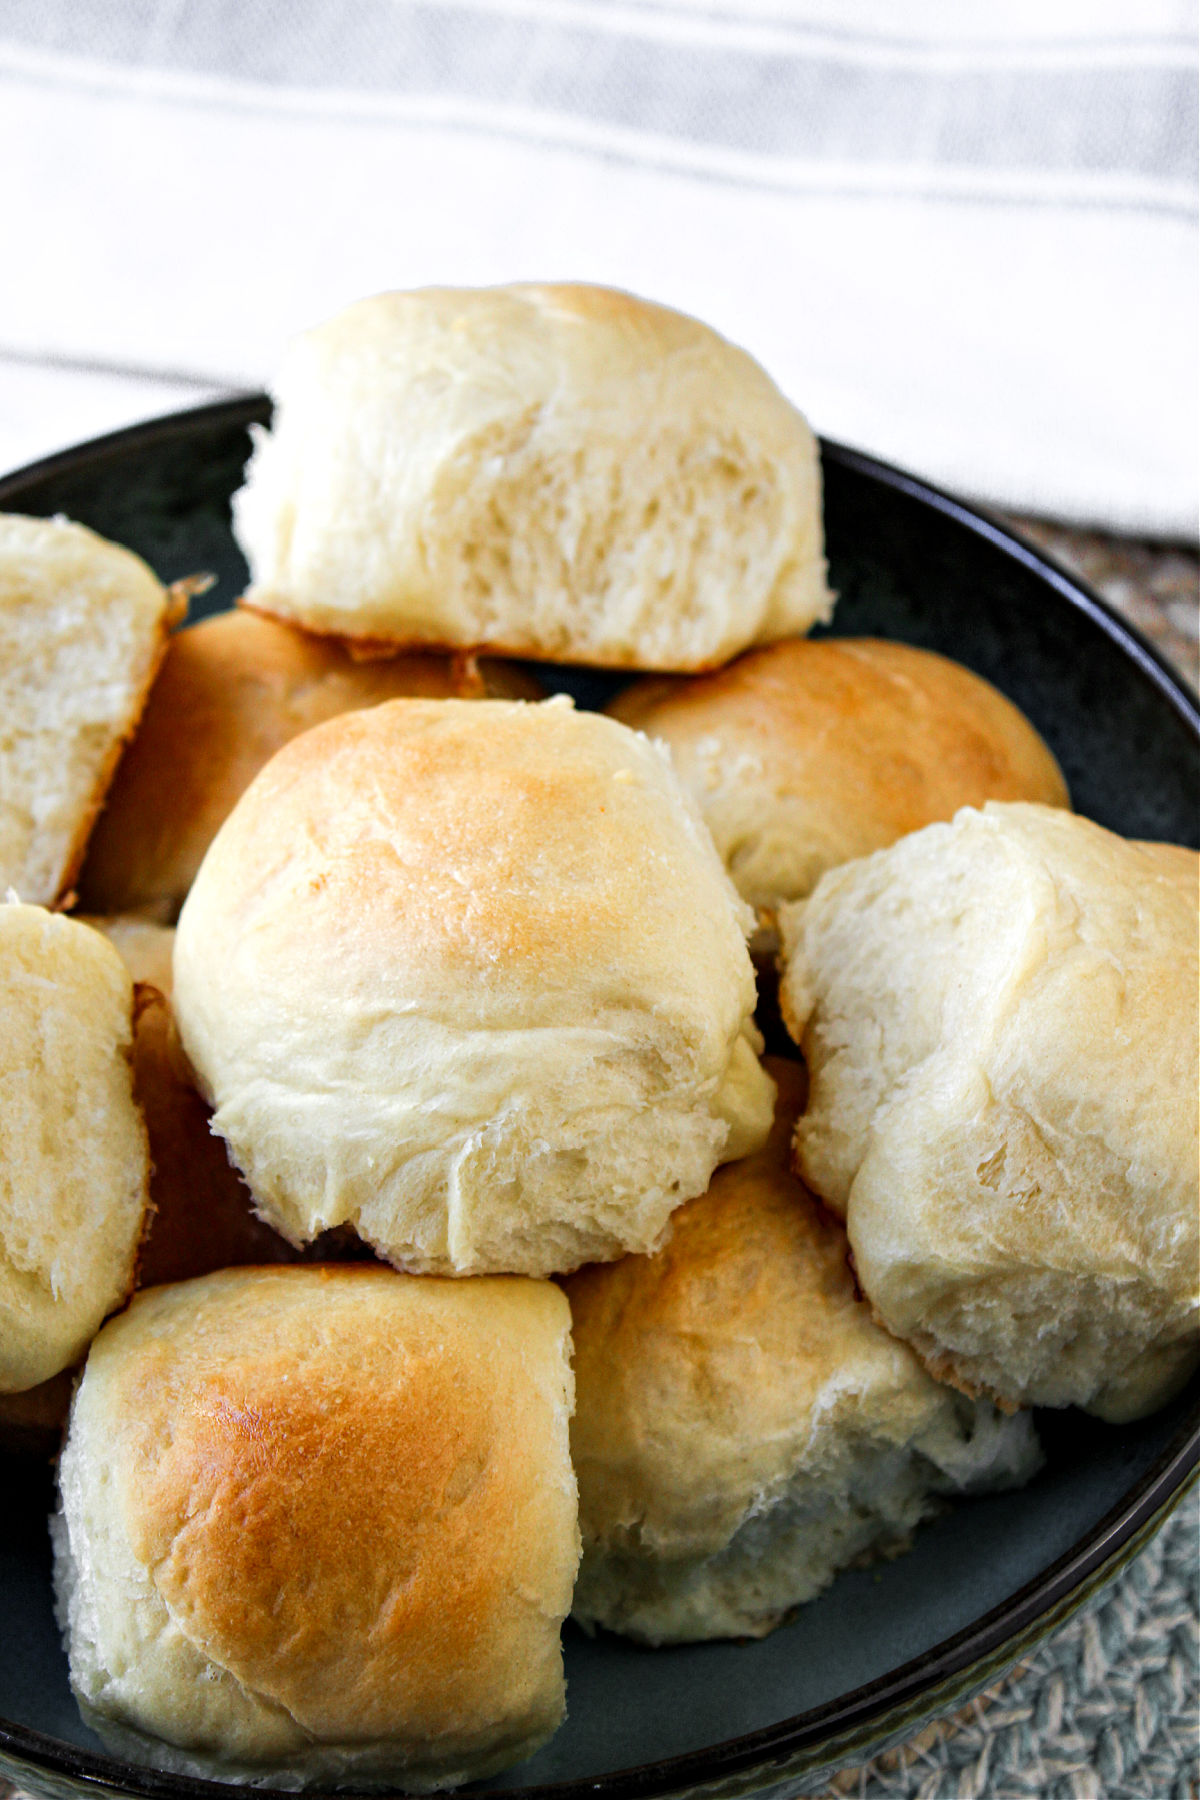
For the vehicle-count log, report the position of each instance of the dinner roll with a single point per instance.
(319, 1525)
(74, 1168)
(83, 627)
(470, 977)
(233, 689)
(999, 1019)
(743, 1429)
(557, 472)
(806, 755)
(202, 1216)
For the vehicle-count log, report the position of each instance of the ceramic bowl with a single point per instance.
(885, 1647)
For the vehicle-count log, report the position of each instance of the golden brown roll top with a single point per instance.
(320, 1525)
(233, 689)
(471, 978)
(808, 754)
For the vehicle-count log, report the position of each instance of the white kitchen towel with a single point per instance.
(959, 233)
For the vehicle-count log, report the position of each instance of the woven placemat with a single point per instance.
(1155, 586)
(1108, 1709)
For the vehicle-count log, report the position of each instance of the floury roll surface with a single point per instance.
(999, 1021)
(559, 471)
(470, 977)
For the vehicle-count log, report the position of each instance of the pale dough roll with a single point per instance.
(999, 1019)
(743, 1429)
(561, 472)
(232, 690)
(74, 1168)
(809, 754)
(470, 977)
(319, 1525)
(1178, 864)
(83, 627)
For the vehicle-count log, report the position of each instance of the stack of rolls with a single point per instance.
(485, 1271)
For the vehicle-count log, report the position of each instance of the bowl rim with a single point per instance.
(1074, 1573)
(253, 407)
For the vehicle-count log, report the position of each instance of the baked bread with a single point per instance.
(234, 689)
(470, 977)
(743, 1429)
(1179, 865)
(319, 1525)
(203, 1217)
(999, 1020)
(202, 1214)
(809, 754)
(83, 627)
(74, 1168)
(558, 472)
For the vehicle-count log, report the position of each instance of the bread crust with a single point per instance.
(320, 1524)
(234, 689)
(808, 754)
(471, 978)
(523, 648)
(201, 1216)
(743, 1428)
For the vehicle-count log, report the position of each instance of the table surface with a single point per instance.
(1108, 1709)
(1155, 586)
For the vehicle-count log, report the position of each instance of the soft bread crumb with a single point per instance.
(83, 628)
(548, 471)
(74, 1166)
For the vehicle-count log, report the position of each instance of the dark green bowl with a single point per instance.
(887, 1647)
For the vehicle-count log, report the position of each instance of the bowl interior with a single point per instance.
(908, 564)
